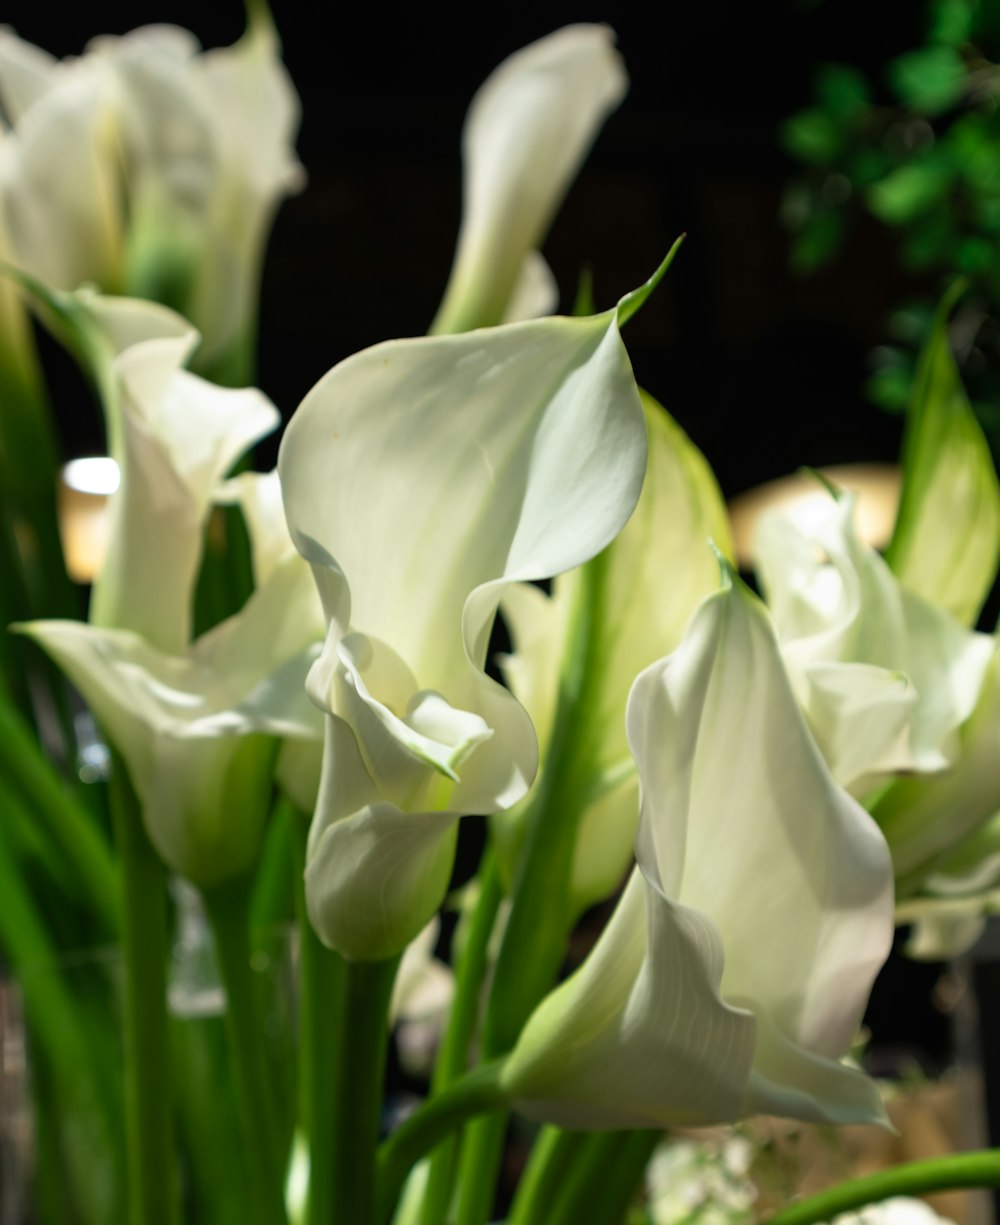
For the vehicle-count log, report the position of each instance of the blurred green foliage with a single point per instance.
(919, 150)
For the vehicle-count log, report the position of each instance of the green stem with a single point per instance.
(958, 1170)
(479, 1168)
(153, 1190)
(453, 1057)
(605, 1180)
(321, 978)
(357, 1088)
(82, 1088)
(553, 1157)
(541, 913)
(229, 912)
(476, 1093)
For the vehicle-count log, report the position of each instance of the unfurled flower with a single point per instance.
(637, 602)
(421, 478)
(886, 678)
(926, 819)
(528, 130)
(193, 721)
(732, 976)
(150, 167)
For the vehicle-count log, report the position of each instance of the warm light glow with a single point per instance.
(804, 498)
(97, 474)
(83, 514)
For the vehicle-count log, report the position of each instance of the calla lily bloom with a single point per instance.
(527, 132)
(652, 577)
(174, 436)
(732, 976)
(885, 677)
(192, 721)
(421, 478)
(926, 818)
(194, 730)
(150, 167)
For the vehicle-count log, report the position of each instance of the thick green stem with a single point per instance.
(476, 1093)
(321, 978)
(553, 1157)
(153, 1188)
(541, 913)
(958, 1170)
(357, 1089)
(479, 1168)
(229, 911)
(604, 1180)
(453, 1058)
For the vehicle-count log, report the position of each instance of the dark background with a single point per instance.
(764, 369)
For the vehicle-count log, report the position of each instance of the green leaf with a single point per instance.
(842, 90)
(929, 80)
(907, 192)
(951, 21)
(812, 136)
(947, 537)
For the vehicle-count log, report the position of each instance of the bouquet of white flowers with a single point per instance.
(755, 786)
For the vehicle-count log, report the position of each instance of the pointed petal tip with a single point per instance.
(726, 572)
(634, 301)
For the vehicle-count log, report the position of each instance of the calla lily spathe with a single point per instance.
(420, 478)
(526, 134)
(190, 720)
(148, 166)
(733, 973)
(885, 677)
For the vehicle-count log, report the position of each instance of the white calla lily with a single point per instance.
(192, 727)
(146, 166)
(653, 575)
(421, 478)
(860, 644)
(527, 132)
(174, 437)
(745, 844)
(926, 818)
(191, 721)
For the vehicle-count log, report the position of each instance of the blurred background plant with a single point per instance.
(917, 149)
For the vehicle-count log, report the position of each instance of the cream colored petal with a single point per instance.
(924, 818)
(61, 189)
(258, 495)
(527, 132)
(860, 716)
(174, 436)
(743, 822)
(374, 874)
(835, 600)
(424, 986)
(639, 1036)
(535, 291)
(27, 73)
